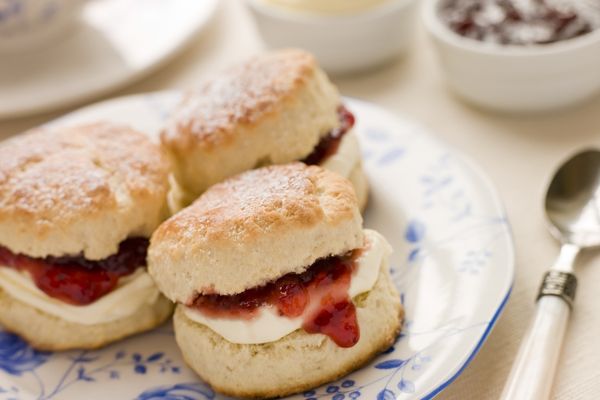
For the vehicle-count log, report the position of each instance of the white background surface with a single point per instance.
(518, 153)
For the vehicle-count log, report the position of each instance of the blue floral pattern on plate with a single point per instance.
(453, 266)
(181, 391)
(16, 357)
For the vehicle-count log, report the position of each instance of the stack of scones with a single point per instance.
(277, 288)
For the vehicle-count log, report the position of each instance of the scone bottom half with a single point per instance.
(303, 326)
(77, 207)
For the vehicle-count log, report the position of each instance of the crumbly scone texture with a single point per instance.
(297, 362)
(254, 228)
(80, 189)
(273, 109)
(47, 332)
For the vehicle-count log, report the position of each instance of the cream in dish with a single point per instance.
(326, 6)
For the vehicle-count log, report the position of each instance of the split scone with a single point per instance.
(77, 206)
(276, 108)
(279, 289)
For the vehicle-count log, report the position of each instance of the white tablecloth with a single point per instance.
(518, 153)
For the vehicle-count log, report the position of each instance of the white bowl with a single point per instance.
(514, 78)
(27, 23)
(341, 43)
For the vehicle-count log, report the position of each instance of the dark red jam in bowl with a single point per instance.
(329, 144)
(76, 280)
(320, 295)
(520, 22)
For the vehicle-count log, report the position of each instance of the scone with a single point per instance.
(279, 289)
(77, 208)
(276, 108)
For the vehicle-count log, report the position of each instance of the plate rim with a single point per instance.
(475, 351)
(498, 204)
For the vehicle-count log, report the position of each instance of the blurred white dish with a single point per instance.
(327, 6)
(515, 78)
(117, 41)
(341, 42)
(26, 23)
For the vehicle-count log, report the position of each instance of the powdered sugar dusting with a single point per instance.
(271, 193)
(254, 203)
(65, 173)
(239, 95)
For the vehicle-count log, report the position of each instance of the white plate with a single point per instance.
(116, 42)
(453, 265)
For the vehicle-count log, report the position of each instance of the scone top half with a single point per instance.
(252, 229)
(77, 207)
(275, 108)
(80, 190)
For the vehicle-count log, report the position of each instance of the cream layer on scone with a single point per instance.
(347, 156)
(269, 326)
(131, 293)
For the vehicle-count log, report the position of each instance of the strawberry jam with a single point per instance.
(329, 144)
(520, 22)
(319, 295)
(76, 280)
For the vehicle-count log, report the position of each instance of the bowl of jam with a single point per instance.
(518, 55)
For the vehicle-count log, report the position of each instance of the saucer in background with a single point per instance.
(115, 43)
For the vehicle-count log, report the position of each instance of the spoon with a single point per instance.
(573, 212)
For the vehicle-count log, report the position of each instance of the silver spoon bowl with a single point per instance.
(573, 202)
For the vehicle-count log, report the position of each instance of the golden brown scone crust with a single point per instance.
(297, 362)
(85, 188)
(272, 109)
(254, 228)
(46, 332)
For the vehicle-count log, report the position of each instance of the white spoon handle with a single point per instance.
(533, 370)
